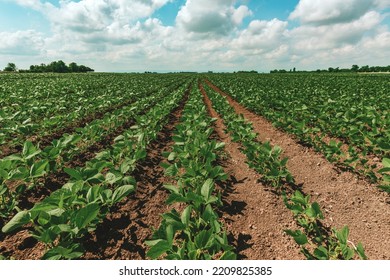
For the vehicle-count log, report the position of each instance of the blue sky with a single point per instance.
(195, 35)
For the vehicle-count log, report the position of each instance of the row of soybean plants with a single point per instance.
(316, 241)
(25, 170)
(63, 218)
(37, 104)
(345, 117)
(192, 229)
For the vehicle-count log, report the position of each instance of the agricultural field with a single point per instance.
(194, 166)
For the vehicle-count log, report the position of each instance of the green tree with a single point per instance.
(11, 67)
(355, 68)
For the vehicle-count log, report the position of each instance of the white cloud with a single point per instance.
(115, 35)
(382, 4)
(262, 35)
(308, 37)
(21, 43)
(321, 12)
(218, 17)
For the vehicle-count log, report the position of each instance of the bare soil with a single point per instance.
(45, 140)
(57, 179)
(254, 215)
(122, 233)
(345, 198)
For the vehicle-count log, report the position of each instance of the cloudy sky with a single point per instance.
(195, 35)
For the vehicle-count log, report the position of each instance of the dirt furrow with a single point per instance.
(122, 234)
(345, 198)
(124, 231)
(253, 214)
(55, 180)
(45, 140)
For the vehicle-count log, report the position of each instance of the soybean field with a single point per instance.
(194, 166)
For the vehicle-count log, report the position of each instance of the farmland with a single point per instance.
(192, 166)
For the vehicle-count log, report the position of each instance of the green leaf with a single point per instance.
(93, 193)
(186, 215)
(59, 252)
(314, 211)
(172, 188)
(73, 173)
(29, 150)
(384, 170)
(207, 188)
(3, 174)
(386, 162)
(384, 146)
(158, 249)
(122, 192)
(17, 221)
(321, 253)
(112, 178)
(228, 255)
(171, 170)
(3, 190)
(170, 234)
(44, 218)
(172, 156)
(86, 215)
(38, 168)
(298, 236)
(360, 251)
(202, 239)
(219, 145)
(347, 252)
(209, 214)
(342, 235)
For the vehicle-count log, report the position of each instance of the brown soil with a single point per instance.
(56, 180)
(130, 222)
(123, 233)
(46, 140)
(344, 198)
(252, 213)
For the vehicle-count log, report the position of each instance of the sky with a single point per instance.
(196, 35)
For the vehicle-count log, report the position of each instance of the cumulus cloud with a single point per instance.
(21, 43)
(262, 35)
(100, 15)
(112, 35)
(307, 37)
(217, 17)
(320, 12)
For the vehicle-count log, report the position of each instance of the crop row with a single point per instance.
(68, 214)
(344, 117)
(193, 231)
(23, 171)
(38, 105)
(316, 240)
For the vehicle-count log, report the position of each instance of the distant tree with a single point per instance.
(73, 67)
(355, 68)
(365, 68)
(59, 67)
(11, 67)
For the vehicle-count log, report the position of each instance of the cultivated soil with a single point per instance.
(123, 233)
(129, 224)
(254, 216)
(345, 198)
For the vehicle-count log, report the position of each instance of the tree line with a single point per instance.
(54, 67)
(354, 69)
